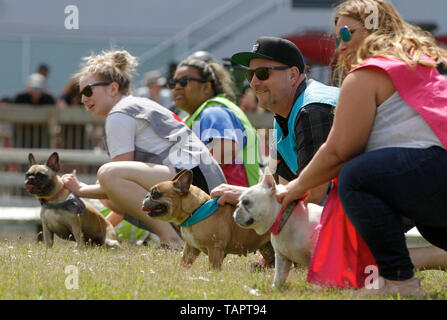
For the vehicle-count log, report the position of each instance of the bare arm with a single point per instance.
(93, 191)
(317, 195)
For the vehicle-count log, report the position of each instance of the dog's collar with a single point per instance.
(204, 211)
(72, 204)
(42, 199)
(282, 218)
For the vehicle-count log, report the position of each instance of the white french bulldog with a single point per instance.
(258, 209)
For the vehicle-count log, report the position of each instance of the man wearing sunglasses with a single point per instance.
(303, 109)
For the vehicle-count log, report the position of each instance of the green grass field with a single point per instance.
(30, 271)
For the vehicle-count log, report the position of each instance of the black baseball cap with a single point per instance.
(272, 48)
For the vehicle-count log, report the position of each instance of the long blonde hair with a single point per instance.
(393, 37)
(115, 66)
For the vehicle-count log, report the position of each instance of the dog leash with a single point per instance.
(204, 211)
(282, 218)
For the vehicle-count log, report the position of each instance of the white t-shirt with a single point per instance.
(157, 136)
(397, 124)
(124, 133)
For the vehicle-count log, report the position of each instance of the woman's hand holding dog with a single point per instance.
(81, 189)
(227, 193)
(72, 183)
(292, 191)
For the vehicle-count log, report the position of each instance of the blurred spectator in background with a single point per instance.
(31, 136)
(172, 66)
(4, 100)
(248, 101)
(203, 55)
(44, 70)
(35, 92)
(249, 104)
(70, 95)
(154, 88)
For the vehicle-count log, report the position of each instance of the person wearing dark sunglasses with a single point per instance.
(146, 142)
(303, 109)
(87, 91)
(183, 81)
(154, 87)
(205, 91)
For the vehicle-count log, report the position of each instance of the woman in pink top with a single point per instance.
(388, 141)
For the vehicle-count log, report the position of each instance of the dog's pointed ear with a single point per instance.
(31, 160)
(268, 179)
(179, 174)
(53, 162)
(183, 181)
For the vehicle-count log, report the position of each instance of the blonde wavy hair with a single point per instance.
(393, 37)
(115, 66)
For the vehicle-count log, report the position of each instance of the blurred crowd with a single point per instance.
(154, 85)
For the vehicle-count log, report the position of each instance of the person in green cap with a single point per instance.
(205, 91)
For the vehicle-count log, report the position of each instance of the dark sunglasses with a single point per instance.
(345, 35)
(183, 81)
(262, 73)
(87, 91)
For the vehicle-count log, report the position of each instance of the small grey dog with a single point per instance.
(293, 237)
(62, 212)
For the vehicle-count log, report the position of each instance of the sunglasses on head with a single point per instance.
(87, 91)
(345, 35)
(262, 73)
(183, 81)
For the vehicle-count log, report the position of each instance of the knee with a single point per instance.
(347, 178)
(108, 173)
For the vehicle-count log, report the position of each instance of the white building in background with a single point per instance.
(157, 31)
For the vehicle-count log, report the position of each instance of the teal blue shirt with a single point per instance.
(286, 142)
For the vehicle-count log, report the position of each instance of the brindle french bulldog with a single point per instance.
(216, 235)
(62, 212)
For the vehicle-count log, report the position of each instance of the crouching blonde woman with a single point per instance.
(146, 142)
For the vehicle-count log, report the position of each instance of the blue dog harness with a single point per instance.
(204, 211)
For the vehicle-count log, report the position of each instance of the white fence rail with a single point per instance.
(73, 132)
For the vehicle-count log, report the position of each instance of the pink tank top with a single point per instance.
(425, 89)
